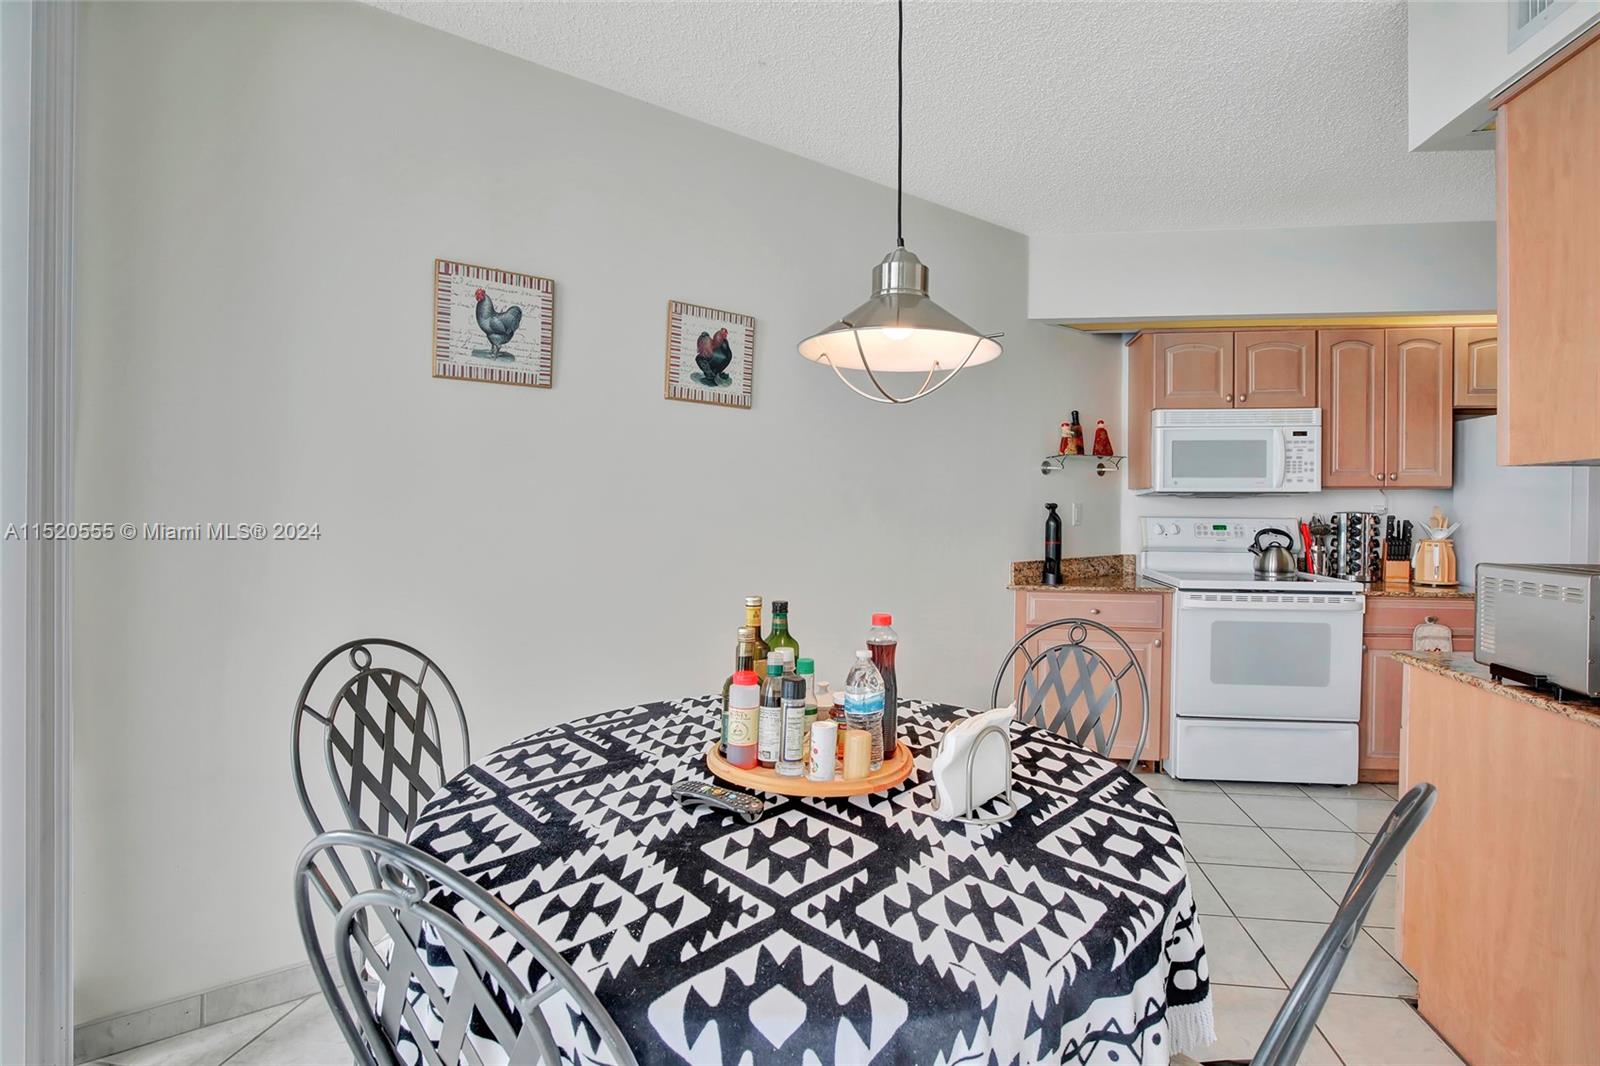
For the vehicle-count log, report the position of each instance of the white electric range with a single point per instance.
(1266, 673)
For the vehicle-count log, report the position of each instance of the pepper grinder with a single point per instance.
(1052, 546)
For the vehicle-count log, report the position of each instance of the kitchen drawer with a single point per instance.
(1125, 610)
(1399, 616)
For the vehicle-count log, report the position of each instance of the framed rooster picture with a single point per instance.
(492, 325)
(711, 355)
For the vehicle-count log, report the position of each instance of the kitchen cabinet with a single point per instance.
(1387, 628)
(1141, 619)
(1275, 368)
(1387, 398)
(1351, 367)
(1419, 401)
(1141, 400)
(1477, 367)
(1547, 155)
(1193, 370)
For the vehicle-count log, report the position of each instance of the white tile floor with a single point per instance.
(1267, 865)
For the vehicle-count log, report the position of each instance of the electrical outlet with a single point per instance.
(1077, 514)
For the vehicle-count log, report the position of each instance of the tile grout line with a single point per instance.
(298, 1004)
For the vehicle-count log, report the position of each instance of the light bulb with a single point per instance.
(897, 333)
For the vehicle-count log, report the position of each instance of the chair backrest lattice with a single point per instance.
(422, 966)
(1068, 678)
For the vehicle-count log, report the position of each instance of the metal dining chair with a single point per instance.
(377, 703)
(1290, 1030)
(422, 964)
(1066, 686)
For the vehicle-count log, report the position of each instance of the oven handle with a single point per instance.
(1195, 602)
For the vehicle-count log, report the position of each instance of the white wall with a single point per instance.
(264, 189)
(1508, 514)
(1331, 270)
(1458, 58)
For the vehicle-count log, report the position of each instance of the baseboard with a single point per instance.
(94, 1040)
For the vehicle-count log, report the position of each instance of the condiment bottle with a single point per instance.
(791, 751)
(824, 743)
(769, 730)
(744, 716)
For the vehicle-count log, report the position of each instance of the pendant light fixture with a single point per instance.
(900, 330)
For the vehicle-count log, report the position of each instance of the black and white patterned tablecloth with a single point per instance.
(840, 930)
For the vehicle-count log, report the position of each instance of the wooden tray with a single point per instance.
(894, 770)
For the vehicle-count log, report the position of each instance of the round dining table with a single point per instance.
(852, 930)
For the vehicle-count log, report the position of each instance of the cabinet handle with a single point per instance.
(1158, 642)
(1094, 610)
(1380, 477)
(1230, 397)
(1394, 477)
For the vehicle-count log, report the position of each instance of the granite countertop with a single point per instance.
(1421, 592)
(1466, 669)
(1086, 573)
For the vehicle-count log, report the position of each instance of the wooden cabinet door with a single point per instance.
(1275, 368)
(1147, 644)
(1193, 369)
(1547, 158)
(1141, 398)
(1350, 390)
(1382, 697)
(1419, 388)
(1477, 366)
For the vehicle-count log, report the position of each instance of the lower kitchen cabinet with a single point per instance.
(1139, 618)
(1388, 626)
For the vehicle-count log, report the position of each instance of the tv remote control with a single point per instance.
(743, 804)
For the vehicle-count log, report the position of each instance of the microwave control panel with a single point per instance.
(1302, 456)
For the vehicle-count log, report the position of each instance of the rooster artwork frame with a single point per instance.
(711, 356)
(493, 325)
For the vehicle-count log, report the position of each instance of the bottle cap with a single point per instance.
(774, 668)
(1050, 507)
(883, 619)
(780, 606)
(864, 653)
(794, 688)
(745, 677)
(1074, 416)
(747, 633)
(752, 601)
(805, 666)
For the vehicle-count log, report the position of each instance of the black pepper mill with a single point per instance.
(1052, 546)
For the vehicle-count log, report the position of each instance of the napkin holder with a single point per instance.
(973, 767)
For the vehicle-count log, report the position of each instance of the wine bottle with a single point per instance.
(752, 618)
(780, 636)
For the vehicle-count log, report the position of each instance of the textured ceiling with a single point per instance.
(1043, 117)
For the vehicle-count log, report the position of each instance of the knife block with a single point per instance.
(1397, 571)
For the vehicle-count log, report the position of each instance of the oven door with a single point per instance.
(1268, 655)
(1219, 459)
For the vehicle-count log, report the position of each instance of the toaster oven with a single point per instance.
(1536, 625)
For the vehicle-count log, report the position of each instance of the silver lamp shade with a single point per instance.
(900, 330)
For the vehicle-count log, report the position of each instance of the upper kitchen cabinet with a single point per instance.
(1275, 369)
(1547, 152)
(1386, 399)
(1419, 393)
(1193, 369)
(1352, 387)
(1477, 368)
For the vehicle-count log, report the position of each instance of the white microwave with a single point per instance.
(1232, 452)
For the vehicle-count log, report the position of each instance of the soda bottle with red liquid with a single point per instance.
(881, 642)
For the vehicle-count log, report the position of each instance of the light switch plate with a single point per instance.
(1077, 514)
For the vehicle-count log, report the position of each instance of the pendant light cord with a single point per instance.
(900, 129)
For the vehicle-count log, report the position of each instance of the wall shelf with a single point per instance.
(1103, 463)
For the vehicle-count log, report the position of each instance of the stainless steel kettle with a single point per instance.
(1274, 560)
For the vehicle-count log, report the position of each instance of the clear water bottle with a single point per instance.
(863, 702)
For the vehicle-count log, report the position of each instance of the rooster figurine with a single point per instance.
(1102, 439)
(713, 356)
(498, 326)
